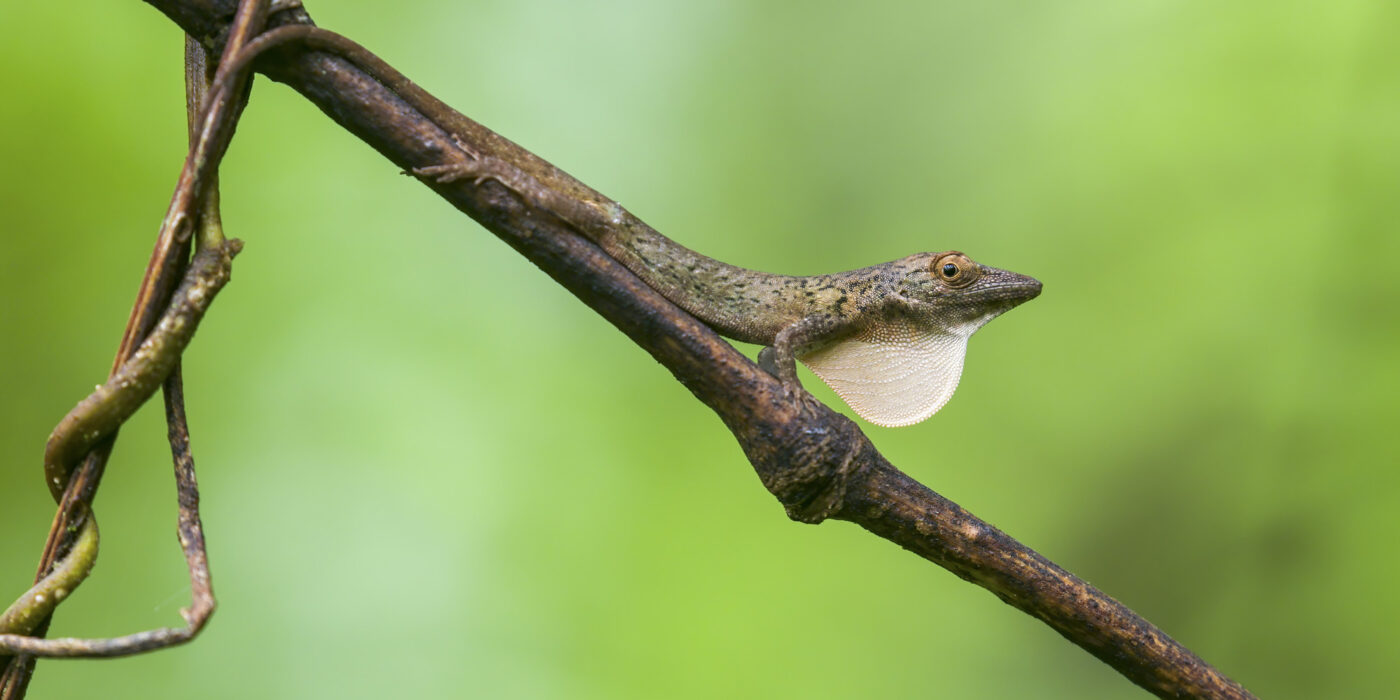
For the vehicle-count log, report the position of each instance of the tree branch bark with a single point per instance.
(816, 462)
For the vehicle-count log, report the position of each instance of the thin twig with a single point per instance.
(189, 528)
(208, 273)
(32, 608)
(21, 617)
(195, 201)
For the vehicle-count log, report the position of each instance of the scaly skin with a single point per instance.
(794, 315)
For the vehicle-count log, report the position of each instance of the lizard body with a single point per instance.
(889, 339)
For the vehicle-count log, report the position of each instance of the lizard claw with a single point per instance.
(452, 172)
(474, 167)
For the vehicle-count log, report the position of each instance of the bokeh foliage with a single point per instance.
(393, 411)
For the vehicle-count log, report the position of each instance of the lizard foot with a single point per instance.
(768, 361)
(474, 167)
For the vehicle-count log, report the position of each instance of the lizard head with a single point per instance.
(951, 290)
(904, 366)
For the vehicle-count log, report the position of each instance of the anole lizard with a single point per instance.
(889, 339)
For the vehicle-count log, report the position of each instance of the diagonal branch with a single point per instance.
(817, 463)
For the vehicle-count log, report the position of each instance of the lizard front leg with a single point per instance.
(780, 359)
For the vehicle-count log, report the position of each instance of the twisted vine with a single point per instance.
(163, 321)
(97, 417)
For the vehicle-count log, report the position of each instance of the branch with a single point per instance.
(817, 463)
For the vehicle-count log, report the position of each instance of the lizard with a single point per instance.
(890, 339)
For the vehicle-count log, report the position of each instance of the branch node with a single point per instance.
(810, 472)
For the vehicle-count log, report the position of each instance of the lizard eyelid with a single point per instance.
(955, 270)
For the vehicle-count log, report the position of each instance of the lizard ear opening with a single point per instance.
(894, 373)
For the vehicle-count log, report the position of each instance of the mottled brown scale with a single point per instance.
(889, 338)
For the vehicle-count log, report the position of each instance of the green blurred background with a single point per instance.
(1198, 415)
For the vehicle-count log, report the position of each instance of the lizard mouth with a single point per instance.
(1004, 289)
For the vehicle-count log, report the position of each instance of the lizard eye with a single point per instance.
(955, 270)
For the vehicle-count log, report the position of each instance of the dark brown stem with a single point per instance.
(190, 528)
